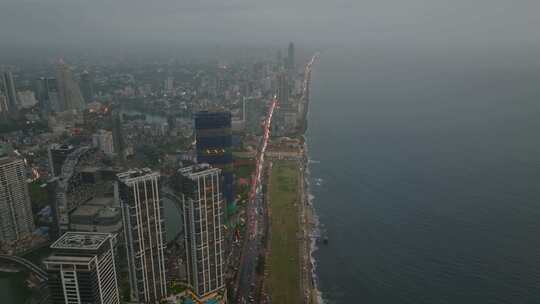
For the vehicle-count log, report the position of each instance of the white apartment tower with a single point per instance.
(16, 218)
(138, 192)
(82, 269)
(203, 207)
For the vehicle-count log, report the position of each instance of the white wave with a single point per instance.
(313, 261)
(311, 198)
(315, 235)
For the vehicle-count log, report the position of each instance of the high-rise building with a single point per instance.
(287, 110)
(118, 137)
(214, 143)
(87, 86)
(82, 269)
(8, 86)
(68, 89)
(16, 218)
(40, 90)
(283, 88)
(57, 155)
(4, 109)
(138, 192)
(47, 95)
(290, 58)
(103, 140)
(169, 85)
(198, 187)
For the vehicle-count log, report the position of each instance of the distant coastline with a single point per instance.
(309, 214)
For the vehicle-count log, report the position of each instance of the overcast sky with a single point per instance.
(80, 22)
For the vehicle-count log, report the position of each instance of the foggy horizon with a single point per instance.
(110, 24)
(277, 151)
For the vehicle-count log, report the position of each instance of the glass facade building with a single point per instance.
(214, 146)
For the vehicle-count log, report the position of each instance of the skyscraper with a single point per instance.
(87, 86)
(279, 59)
(82, 269)
(169, 85)
(57, 155)
(283, 89)
(47, 95)
(290, 58)
(4, 109)
(8, 86)
(68, 90)
(118, 137)
(41, 94)
(138, 192)
(16, 218)
(199, 189)
(214, 143)
(287, 110)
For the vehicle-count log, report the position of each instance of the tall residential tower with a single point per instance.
(8, 87)
(68, 90)
(47, 95)
(199, 190)
(16, 218)
(87, 86)
(82, 269)
(138, 192)
(290, 58)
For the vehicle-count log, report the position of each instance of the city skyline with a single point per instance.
(291, 152)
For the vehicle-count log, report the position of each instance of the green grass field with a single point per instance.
(283, 281)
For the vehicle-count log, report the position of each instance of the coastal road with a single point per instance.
(256, 221)
(248, 282)
(253, 248)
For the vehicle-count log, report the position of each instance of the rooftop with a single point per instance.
(62, 147)
(135, 173)
(101, 201)
(86, 210)
(81, 240)
(197, 169)
(61, 259)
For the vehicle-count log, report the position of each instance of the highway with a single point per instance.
(256, 221)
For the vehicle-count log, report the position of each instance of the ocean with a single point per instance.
(425, 174)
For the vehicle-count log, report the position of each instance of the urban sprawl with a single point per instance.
(158, 181)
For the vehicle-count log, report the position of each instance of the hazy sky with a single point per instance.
(79, 22)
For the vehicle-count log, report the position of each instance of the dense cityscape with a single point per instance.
(269, 152)
(95, 159)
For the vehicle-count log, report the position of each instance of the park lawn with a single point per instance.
(283, 269)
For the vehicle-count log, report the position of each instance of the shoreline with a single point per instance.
(311, 231)
(309, 219)
(306, 233)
